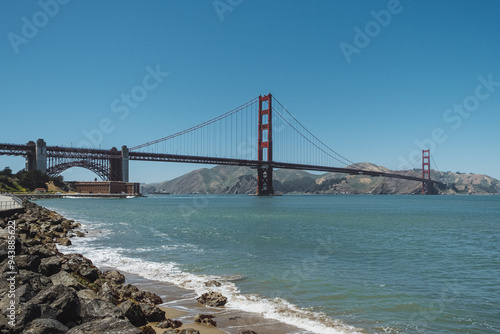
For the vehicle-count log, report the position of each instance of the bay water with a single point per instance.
(323, 263)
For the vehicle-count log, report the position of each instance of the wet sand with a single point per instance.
(171, 313)
(180, 304)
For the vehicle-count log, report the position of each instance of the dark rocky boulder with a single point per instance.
(66, 279)
(169, 323)
(110, 293)
(107, 325)
(113, 276)
(206, 319)
(4, 324)
(132, 292)
(28, 262)
(3, 250)
(152, 313)
(246, 331)
(33, 242)
(213, 299)
(24, 293)
(87, 294)
(182, 331)
(45, 326)
(213, 283)
(126, 291)
(58, 302)
(93, 309)
(90, 272)
(50, 266)
(189, 331)
(142, 296)
(43, 251)
(36, 281)
(27, 313)
(148, 330)
(79, 234)
(134, 313)
(81, 265)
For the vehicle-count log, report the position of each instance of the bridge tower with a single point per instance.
(31, 156)
(265, 147)
(125, 159)
(118, 167)
(426, 169)
(41, 155)
(37, 158)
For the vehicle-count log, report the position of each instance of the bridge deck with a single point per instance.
(78, 153)
(255, 164)
(15, 149)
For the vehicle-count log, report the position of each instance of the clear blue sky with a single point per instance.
(368, 95)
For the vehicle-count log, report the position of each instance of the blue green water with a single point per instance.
(328, 264)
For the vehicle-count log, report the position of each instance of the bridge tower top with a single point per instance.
(265, 146)
(265, 128)
(426, 169)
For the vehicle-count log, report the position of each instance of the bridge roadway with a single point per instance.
(54, 151)
(255, 164)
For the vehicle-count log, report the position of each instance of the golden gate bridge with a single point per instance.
(261, 134)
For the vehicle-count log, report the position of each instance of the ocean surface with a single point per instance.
(327, 264)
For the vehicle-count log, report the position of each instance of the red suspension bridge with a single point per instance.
(260, 134)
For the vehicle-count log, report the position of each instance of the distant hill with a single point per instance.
(242, 180)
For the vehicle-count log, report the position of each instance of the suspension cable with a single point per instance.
(435, 164)
(342, 157)
(196, 127)
(293, 127)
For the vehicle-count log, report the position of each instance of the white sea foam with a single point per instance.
(276, 308)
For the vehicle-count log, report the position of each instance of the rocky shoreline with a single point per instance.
(45, 291)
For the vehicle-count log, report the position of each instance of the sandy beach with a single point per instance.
(171, 313)
(180, 304)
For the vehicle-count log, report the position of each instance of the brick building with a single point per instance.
(106, 187)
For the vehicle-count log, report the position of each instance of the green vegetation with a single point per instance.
(9, 181)
(32, 179)
(24, 181)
